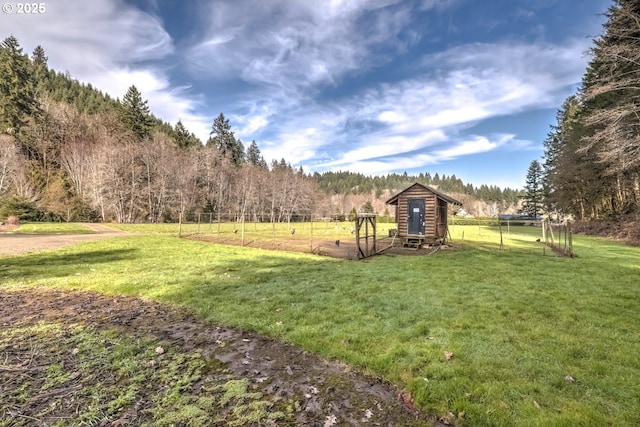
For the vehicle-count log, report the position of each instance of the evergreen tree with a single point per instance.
(592, 154)
(532, 204)
(17, 95)
(237, 153)
(573, 179)
(367, 207)
(353, 214)
(611, 90)
(611, 96)
(184, 139)
(223, 139)
(254, 156)
(135, 115)
(39, 59)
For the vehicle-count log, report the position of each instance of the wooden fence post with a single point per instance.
(570, 238)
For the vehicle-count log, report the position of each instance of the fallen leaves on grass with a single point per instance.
(449, 418)
(406, 399)
(368, 413)
(331, 420)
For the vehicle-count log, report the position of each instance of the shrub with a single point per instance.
(23, 209)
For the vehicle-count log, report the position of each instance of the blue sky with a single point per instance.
(464, 87)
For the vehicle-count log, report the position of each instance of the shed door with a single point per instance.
(415, 216)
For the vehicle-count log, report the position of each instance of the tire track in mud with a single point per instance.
(320, 389)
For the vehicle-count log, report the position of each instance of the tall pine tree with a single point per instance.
(223, 139)
(254, 156)
(135, 115)
(592, 155)
(184, 139)
(532, 202)
(611, 94)
(17, 95)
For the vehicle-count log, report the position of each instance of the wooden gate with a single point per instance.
(366, 235)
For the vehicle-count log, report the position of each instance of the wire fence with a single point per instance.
(558, 237)
(322, 235)
(541, 237)
(301, 233)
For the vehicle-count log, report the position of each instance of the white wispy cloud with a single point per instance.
(425, 114)
(293, 43)
(288, 53)
(111, 45)
(84, 35)
(465, 147)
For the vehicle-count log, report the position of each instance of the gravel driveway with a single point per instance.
(12, 244)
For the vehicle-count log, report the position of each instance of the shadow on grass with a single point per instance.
(57, 264)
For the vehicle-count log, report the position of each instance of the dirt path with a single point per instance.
(327, 393)
(13, 244)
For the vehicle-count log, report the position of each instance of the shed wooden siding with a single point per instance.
(435, 214)
(430, 202)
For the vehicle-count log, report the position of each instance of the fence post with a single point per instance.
(570, 238)
(311, 229)
(243, 229)
(273, 229)
(218, 226)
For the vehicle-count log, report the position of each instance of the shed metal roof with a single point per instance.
(448, 199)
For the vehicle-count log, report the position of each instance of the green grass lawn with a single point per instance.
(537, 340)
(303, 231)
(53, 228)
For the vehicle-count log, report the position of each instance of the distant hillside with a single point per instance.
(69, 152)
(356, 183)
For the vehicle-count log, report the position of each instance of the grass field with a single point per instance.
(264, 231)
(536, 340)
(53, 228)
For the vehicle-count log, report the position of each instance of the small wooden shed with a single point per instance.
(421, 214)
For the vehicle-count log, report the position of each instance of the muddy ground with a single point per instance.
(325, 393)
(326, 247)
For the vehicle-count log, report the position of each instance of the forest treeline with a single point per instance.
(357, 183)
(70, 152)
(591, 165)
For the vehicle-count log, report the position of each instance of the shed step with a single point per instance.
(414, 243)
